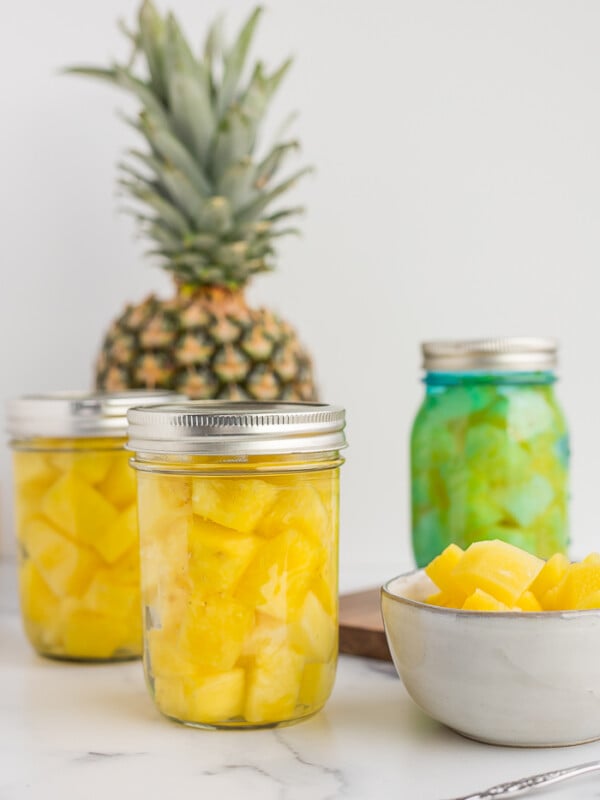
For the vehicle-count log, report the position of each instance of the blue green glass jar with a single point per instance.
(489, 448)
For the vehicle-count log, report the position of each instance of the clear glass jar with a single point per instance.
(489, 448)
(238, 513)
(76, 524)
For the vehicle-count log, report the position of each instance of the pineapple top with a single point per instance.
(203, 194)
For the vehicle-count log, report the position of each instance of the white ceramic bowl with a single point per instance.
(524, 679)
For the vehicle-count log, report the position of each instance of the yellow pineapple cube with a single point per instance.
(550, 575)
(551, 600)
(105, 596)
(89, 635)
(118, 486)
(218, 555)
(439, 599)
(169, 696)
(33, 468)
(118, 537)
(166, 659)
(212, 631)
(528, 602)
(440, 572)
(76, 508)
(89, 465)
(66, 566)
(497, 568)
(325, 588)
(316, 684)
(580, 586)
(237, 503)
(314, 634)
(278, 577)
(266, 632)
(215, 697)
(164, 560)
(298, 508)
(482, 601)
(273, 685)
(39, 604)
(126, 571)
(161, 497)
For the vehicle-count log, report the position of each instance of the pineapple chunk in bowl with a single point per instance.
(508, 677)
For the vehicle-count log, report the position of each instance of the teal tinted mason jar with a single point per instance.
(489, 448)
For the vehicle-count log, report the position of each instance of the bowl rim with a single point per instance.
(385, 591)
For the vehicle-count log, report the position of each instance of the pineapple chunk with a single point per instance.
(161, 496)
(86, 634)
(237, 503)
(34, 468)
(118, 487)
(90, 466)
(165, 657)
(212, 631)
(273, 685)
(278, 578)
(66, 566)
(170, 698)
(120, 536)
(528, 602)
(39, 604)
(126, 571)
(215, 698)
(579, 587)
(550, 574)
(266, 632)
(298, 508)
(482, 601)
(440, 572)
(314, 634)
(438, 599)
(218, 556)
(79, 510)
(104, 596)
(316, 684)
(497, 568)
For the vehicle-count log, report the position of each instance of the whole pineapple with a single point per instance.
(204, 198)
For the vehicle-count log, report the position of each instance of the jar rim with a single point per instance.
(213, 427)
(76, 414)
(503, 354)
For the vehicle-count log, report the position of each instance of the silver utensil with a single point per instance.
(523, 785)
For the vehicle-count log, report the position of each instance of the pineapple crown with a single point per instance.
(206, 196)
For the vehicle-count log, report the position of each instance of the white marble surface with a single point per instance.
(91, 732)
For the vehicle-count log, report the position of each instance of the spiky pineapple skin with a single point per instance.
(205, 343)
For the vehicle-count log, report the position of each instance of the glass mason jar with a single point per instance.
(238, 513)
(489, 448)
(76, 523)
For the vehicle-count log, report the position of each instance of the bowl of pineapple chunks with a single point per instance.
(499, 645)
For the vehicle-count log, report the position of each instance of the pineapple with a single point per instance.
(204, 196)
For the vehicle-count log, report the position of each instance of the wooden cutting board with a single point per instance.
(361, 625)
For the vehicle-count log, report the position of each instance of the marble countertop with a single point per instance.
(79, 732)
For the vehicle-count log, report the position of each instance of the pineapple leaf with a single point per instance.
(234, 62)
(272, 162)
(285, 212)
(125, 80)
(152, 40)
(233, 142)
(172, 151)
(192, 114)
(256, 207)
(237, 183)
(165, 210)
(215, 215)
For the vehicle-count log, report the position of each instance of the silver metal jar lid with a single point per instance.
(76, 414)
(509, 354)
(228, 428)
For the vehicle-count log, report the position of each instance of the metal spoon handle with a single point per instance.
(523, 785)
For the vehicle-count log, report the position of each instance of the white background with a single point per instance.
(457, 194)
